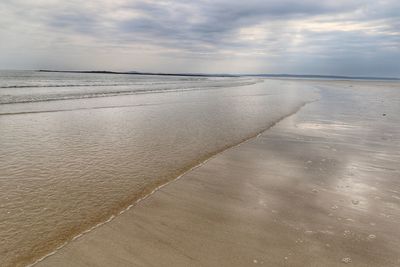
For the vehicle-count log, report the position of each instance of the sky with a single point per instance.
(337, 37)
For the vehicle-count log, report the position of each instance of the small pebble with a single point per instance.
(355, 202)
(371, 236)
(346, 260)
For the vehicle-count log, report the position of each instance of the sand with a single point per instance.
(66, 166)
(320, 188)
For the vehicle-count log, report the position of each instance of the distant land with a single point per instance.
(144, 73)
(298, 76)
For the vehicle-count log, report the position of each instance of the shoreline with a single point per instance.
(202, 162)
(91, 164)
(323, 200)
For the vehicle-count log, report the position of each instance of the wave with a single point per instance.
(171, 180)
(84, 85)
(114, 106)
(31, 98)
(94, 83)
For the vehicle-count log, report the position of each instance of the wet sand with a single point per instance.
(320, 188)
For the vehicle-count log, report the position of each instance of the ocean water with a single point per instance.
(77, 149)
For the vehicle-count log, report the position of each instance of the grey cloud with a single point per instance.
(211, 30)
(217, 18)
(171, 23)
(79, 22)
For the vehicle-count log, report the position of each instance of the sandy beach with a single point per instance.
(199, 133)
(320, 188)
(70, 164)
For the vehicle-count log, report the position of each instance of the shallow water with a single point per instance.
(66, 165)
(31, 86)
(320, 188)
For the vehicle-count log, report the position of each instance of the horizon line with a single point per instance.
(193, 74)
(271, 75)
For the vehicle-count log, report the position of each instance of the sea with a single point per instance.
(77, 149)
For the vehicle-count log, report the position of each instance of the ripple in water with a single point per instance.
(63, 172)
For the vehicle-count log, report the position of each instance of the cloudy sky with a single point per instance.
(342, 37)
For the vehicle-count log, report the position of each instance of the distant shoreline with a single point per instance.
(143, 73)
(306, 76)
